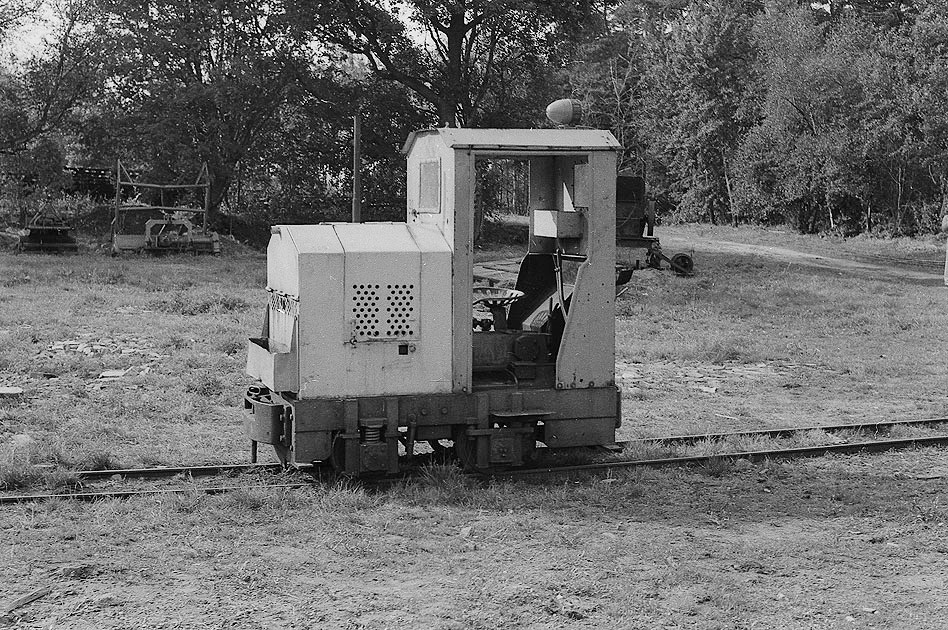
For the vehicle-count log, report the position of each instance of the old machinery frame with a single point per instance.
(48, 231)
(369, 344)
(635, 225)
(139, 226)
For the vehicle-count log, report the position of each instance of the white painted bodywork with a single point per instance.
(340, 273)
(572, 183)
(361, 290)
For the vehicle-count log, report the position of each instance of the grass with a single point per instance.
(19, 476)
(850, 345)
(749, 342)
(836, 348)
(176, 324)
(731, 546)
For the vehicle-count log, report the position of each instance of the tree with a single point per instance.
(928, 54)
(793, 162)
(197, 82)
(14, 12)
(607, 80)
(699, 99)
(305, 172)
(37, 97)
(852, 132)
(469, 60)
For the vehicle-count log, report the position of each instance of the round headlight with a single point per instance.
(566, 111)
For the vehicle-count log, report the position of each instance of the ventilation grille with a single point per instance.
(366, 310)
(283, 303)
(400, 310)
(383, 312)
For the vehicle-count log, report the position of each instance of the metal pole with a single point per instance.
(356, 170)
(118, 199)
(207, 191)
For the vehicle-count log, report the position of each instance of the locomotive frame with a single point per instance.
(344, 381)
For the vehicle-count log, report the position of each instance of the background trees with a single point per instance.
(822, 117)
(470, 62)
(193, 82)
(39, 90)
(698, 102)
(826, 116)
(842, 141)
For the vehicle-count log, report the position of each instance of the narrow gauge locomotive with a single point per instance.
(368, 342)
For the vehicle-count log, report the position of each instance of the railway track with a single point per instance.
(875, 427)
(849, 448)
(317, 473)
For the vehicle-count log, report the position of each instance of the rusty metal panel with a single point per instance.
(436, 276)
(312, 446)
(462, 286)
(562, 433)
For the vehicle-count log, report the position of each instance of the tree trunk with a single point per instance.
(727, 187)
(221, 177)
(454, 87)
(898, 201)
(447, 116)
(829, 210)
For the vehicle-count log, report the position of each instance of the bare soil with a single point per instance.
(774, 330)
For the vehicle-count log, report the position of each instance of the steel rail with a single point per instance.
(759, 455)
(876, 446)
(217, 469)
(211, 470)
(124, 494)
(878, 427)
(171, 471)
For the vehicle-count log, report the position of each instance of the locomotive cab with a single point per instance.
(376, 335)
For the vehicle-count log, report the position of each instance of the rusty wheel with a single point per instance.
(682, 264)
(465, 447)
(441, 452)
(337, 454)
(529, 447)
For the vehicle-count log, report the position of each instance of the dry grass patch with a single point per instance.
(732, 546)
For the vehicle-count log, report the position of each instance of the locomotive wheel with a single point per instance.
(337, 454)
(653, 259)
(465, 448)
(440, 452)
(529, 449)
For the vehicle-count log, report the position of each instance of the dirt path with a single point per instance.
(689, 238)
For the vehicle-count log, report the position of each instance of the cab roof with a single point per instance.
(519, 139)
